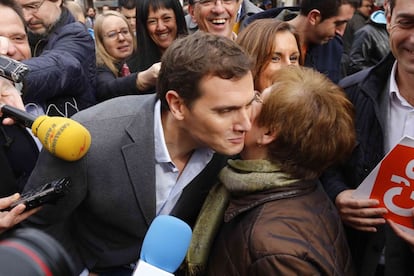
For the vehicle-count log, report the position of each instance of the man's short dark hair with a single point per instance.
(127, 4)
(188, 60)
(327, 8)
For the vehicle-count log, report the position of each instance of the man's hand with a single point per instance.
(8, 219)
(408, 237)
(360, 214)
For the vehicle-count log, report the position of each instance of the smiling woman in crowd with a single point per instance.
(272, 44)
(115, 43)
(159, 23)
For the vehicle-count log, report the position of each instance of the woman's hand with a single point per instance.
(148, 78)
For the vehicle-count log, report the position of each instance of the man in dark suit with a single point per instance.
(150, 154)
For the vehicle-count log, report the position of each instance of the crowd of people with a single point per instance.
(253, 126)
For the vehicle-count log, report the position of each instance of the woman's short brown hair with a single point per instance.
(313, 121)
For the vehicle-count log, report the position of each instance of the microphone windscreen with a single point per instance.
(166, 243)
(63, 137)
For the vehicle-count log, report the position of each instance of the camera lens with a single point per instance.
(32, 252)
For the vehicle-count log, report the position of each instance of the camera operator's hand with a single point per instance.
(8, 219)
(11, 96)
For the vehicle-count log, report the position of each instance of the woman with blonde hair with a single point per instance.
(115, 43)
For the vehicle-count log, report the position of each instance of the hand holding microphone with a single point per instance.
(61, 136)
(164, 248)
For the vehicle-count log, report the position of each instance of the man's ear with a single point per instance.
(176, 104)
(191, 12)
(388, 16)
(314, 17)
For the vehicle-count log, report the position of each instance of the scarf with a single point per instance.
(238, 178)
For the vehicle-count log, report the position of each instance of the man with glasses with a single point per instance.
(215, 16)
(61, 80)
(246, 9)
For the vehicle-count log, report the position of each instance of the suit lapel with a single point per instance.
(140, 160)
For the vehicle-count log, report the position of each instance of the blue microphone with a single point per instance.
(164, 248)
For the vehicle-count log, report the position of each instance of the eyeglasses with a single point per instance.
(257, 97)
(115, 34)
(33, 7)
(210, 3)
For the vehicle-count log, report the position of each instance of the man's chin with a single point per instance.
(36, 29)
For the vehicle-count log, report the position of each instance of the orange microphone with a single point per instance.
(61, 136)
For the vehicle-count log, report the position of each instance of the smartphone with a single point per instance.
(48, 193)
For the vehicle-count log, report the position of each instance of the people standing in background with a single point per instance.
(62, 71)
(216, 17)
(115, 43)
(76, 10)
(358, 20)
(90, 17)
(371, 44)
(129, 10)
(246, 9)
(272, 44)
(105, 8)
(383, 101)
(159, 23)
(320, 25)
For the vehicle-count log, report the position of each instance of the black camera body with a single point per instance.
(12, 69)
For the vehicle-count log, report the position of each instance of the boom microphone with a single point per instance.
(61, 136)
(164, 248)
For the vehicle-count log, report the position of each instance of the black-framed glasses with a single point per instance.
(32, 7)
(115, 34)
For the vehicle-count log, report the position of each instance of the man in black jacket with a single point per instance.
(384, 101)
(61, 80)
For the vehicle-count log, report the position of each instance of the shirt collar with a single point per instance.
(394, 91)
(161, 151)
